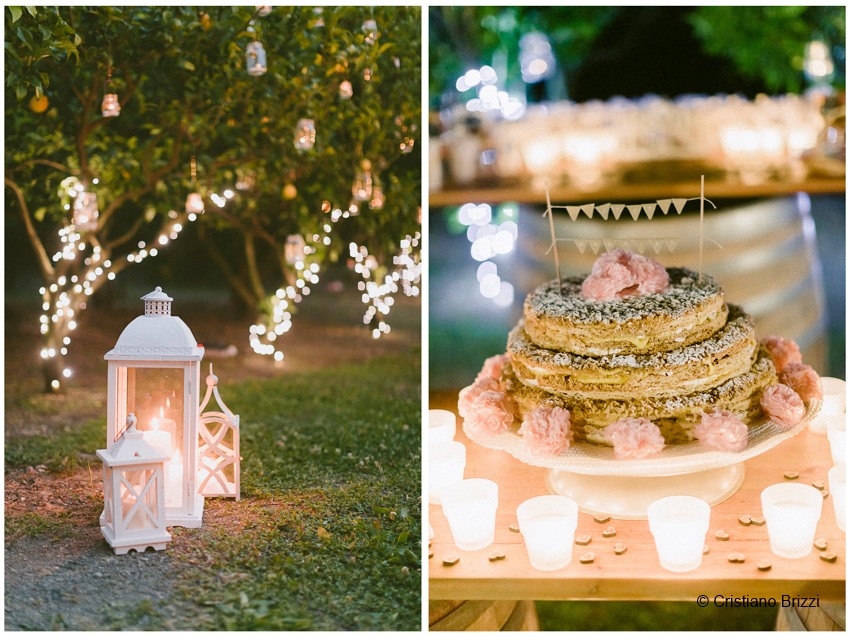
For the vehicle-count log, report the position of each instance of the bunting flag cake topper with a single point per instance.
(615, 210)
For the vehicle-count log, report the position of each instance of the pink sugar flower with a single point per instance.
(492, 368)
(783, 351)
(546, 431)
(783, 405)
(634, 438)
(804, 380)
(722, 430)
(491, 414)
(468, 395)
(618, 274)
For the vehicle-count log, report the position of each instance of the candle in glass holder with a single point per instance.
(833, 403)
(835, 432)
(548, 524)
(470, 507)
(837, 489)
(678, 524)
(446, 463)
(792, 512)
(442, 426)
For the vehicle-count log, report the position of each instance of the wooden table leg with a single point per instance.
(501, 615)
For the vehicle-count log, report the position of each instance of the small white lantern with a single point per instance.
(85, 211)
(110, 107)
(305, 134)
(194, 203)
(154, 373)
(294, 248)
(133, 493)
(255, 57)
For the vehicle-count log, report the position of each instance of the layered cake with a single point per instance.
(636, 356)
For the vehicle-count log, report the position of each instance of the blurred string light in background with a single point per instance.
(491, 235)
(536, 59)
(488, 97)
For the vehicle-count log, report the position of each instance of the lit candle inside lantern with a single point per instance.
(792, 512)
(548, 524)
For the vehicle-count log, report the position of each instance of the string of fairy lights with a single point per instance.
(65, 298)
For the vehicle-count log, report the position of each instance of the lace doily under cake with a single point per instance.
(590, 459)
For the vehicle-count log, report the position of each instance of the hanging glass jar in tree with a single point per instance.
(361, 189)
(305, 134)
(345, 90)
(255, 56)
(109, 107)
(85, 211)
(294, 249)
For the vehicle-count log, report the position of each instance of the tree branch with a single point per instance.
(43, 260)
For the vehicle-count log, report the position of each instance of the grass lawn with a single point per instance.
(327, 534)
(650, 616)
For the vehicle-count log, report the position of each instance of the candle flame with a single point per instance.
(161, 411)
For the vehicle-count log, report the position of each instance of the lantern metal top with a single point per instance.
(131, 449)
(157, 335)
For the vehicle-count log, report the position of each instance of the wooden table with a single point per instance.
(636, 574)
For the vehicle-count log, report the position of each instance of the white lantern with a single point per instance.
(154, 373)
(110, 106)
(305, 134)
(255, 56)
(194, 203)
(219, 464)
(294, 248)
(85, 211)
(133, 493)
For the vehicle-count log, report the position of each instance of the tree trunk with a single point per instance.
(51, 371)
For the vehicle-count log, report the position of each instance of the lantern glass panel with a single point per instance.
(155, 395)
(138, 499)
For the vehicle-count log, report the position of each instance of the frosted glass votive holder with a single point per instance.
(446, 463)
(838, 493)
(835, 432)
(834, 400)
(442, 426)
(548, 525)
(678, 524)
(470, 507)
(792, 512)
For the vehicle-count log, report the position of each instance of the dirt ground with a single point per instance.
(57, 582)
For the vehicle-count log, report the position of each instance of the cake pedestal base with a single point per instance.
(627, 497)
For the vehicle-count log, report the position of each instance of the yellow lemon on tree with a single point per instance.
(289, 191)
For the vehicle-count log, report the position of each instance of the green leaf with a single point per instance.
(188, 65)
(16, 13)
(39, 214)
(20, 92)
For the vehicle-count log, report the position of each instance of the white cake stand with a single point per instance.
(623, 489)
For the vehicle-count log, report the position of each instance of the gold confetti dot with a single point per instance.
(587, 558)
(745, 520)
(451, 560)
(721, 535)
(583, 540)
(764, 565)
(601, 519)
(609, 532)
